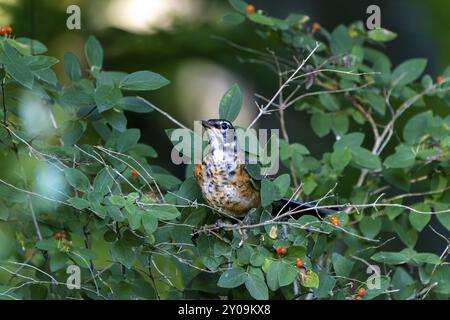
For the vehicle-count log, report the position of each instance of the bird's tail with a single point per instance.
(300, 208)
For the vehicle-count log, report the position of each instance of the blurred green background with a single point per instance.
(179, 39)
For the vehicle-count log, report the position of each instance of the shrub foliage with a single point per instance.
(128, 224)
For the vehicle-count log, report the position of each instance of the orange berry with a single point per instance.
(440, 79)
(278, 250)
(299, 263)
(134, 173)
(362, 292)
(2, 31)
(316, 27)
(8, 30)
(334, 220)
(358, 298)
(283, 250)
(250, 9)
(59, 236)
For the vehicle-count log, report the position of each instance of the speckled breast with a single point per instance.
(226, 186)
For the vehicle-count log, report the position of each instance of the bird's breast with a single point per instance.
(226, 185)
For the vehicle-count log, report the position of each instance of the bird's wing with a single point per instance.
(198, 173)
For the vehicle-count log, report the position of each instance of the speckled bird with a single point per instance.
(224, 182)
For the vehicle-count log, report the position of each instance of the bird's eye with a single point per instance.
(224, 126)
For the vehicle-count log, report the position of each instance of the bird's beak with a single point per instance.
(206, 124)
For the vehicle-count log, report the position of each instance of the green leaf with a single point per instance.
(287, 274)
(365, 158)
(417, 127)
(233, 19)
(128, 139)
(79, 203)
(72, 66)
(122, 252)
(407, 234)
(381, 35)
(144, 150)
(257, 287)
(77, 179)
(150, 223)
(419, 220)
(321, 124)
(340, 158)
(117, 200)
(16, 66)
(231, 103)
(116, 119)
(103, 182)
(232, 278)
(326, 284)
(376, 101)
(444, 219)
(261, 19)
(310, 279)
(268, 191)
(390, 257)
(243, 254)
(442, 278)
(402, 158)
(94, 52)
(134, 104)
(340, 41)
(329, 101)
(106, 97)
(408, 71)
(37, 46)
(282, 184)
(309, 185)
(163, 212)
(370, 226)
(72, 132)
(354, 139)
(37, 63)
(238, 5)
(46, 244)
(272, 275)
(143, 81)
(425, 257)
(340, 124)
(341, 265)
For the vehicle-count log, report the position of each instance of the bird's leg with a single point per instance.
(242, 231)
(247, 220)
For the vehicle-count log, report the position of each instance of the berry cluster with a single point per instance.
(60, 236)
(4, 31)
(281, 250)
(63, 244)
(360, 294)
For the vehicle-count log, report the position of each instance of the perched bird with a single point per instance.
(224, 181)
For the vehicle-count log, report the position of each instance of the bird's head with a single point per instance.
(220, 132)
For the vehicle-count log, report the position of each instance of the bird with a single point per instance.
(225, 183)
